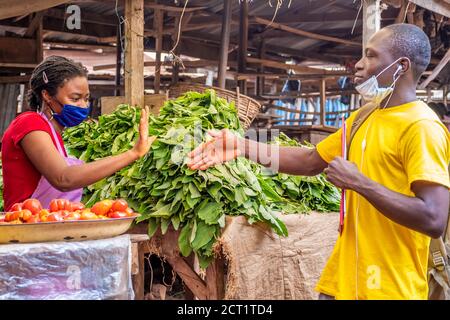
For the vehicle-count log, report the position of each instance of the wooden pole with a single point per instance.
(134, 52)
(260, 80)
(371, 19)
(225, 43)
(243, 44)
(176, 67)
(158, 20)
(39, 39)
(118, 59)
(445, 92)
(323, 99)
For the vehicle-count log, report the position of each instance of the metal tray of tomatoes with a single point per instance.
(78, 230)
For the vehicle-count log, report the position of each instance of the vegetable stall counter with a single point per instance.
(279, 267)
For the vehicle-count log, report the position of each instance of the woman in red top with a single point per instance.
(35, 163)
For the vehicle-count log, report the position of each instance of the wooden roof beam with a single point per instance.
(14, 8)
(172, 8)
(436, 70)
(438, 6)
(304, 33)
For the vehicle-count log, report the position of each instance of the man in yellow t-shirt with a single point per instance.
(396, 175)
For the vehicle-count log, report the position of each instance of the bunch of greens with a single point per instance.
(161, 187)
(300, 194)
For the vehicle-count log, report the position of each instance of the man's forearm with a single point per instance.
(290, 160)
(411, 212)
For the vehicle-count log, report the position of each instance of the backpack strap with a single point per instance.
(439, 258)
(363, 113)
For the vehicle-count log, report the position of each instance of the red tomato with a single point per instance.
(63, 204)
(33, 205)
(59, 204)
(76, 206)
(16, 207)
(34, 219)
(73, 216)
(117, 214)
(16, 215)
(102, 208)
(8, 216)
(54, 217)
(119, 205)
(54, 205)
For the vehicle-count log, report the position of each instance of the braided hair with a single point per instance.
(51, 74)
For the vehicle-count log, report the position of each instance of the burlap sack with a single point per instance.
(262, 265)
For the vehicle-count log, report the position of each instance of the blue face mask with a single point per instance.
(71, 116)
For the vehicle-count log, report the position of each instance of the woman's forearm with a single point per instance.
(79, 176)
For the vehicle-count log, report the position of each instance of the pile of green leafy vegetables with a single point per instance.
(166, 192)
(161, 187)
(301, 194)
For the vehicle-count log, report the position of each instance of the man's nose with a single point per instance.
(359, 65)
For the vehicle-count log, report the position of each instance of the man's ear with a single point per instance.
(405, 64)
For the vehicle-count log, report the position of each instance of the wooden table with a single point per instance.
(212, 287)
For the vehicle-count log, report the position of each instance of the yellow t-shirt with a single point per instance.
(382, 259)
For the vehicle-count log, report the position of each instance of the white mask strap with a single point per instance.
(387, 67)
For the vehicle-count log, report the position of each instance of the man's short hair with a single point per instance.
(408, 40)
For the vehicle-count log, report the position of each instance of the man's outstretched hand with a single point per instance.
(224, 146)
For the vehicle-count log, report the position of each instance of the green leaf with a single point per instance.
(203, 235)
(183, 241)
(153, 225)
(209, 211)
(194, 191)
(163, 212)
(164, 225)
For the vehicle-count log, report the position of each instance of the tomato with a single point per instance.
(54, 217)
(129, 211)
(26, 214)
(8, 216)
(11, 216)
(102, 208)
(73, 216)
(117, 214)
(76, 206)
(18, 221)
(34, 219)
(16, 207)
(88, 215)
(119, 205)
(33, 205)
(59, 204)
(54, 205)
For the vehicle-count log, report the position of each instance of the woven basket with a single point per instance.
(248, 108)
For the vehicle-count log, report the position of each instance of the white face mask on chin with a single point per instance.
(372, 92)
